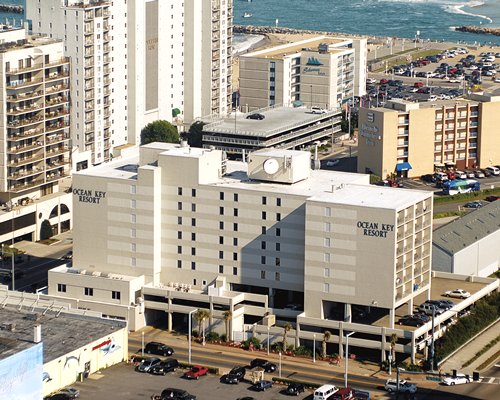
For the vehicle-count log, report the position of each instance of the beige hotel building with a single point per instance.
(321, 71)
(412, 139)
(168, 229)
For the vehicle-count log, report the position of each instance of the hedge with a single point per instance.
(459, 198)
(286, 381)
(483, 314)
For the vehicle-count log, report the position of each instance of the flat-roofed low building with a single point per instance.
(469, 245)
(281, 128)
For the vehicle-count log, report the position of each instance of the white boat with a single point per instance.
(247, 15)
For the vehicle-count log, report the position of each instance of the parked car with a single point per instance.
(370, 81)
(346, 393)
(176, 394)
(318, 110)
(195, 372)
(158, 349)
(460, 175)
(493, 170)
(479, 174)
(234, 376)
(428, 178)
(413, 320)
(492, 198)
(444, 304)
(58, 396)
(486, 172)
(457, 293)
(332, 163)
(147, 364)
(230, 379)
(163, 367)
(469, 173)
(404, 387)
(295, 388)
(262, 385)
(68, 255)
(456, 380)
(257, 116)
(266, 365)
(428, 309)
(239, 372)
(137, 359)
(72, 392)
(473, 204)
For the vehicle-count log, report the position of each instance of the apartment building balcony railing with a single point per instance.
(58, 62)
(23, 110)
(27, 159)
(54, 176)
(56, 88)
(56, 126)
(89, 51)
(17, 123)
(56, 100)
(89, 95)
(88, 29)
(89, 41)
(106, 59)
(89, 139)
(24, 96)
(52, 139)
(24, 83)
(89, 128)
(19, 149)
(105, 37)
(106, 81)
(55, 151)
(56, 113)
(89, 105)
(24, 173)
(20, 187)
(17, 136)
(89, 116)
(106, 48)
(107, 134)
(107, 91)
(107, 123)
(30, 68)
(54, 76)
(89, 62)
(57, 163)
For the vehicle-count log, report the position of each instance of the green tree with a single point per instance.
(194, 134)
(227, 316)
(326, 337)
(200, 317)
(286, 329)
(46, 230)
(159, 131)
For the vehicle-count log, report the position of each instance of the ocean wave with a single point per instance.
(458, 9)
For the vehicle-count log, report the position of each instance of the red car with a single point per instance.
(195, 372)
(384, 81)
(418, 84)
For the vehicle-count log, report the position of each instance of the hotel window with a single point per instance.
(235, 212)
(193, 192)
(133, 247)
(193, 265)
(264, 200)
(326, 288)
(235, 227)
(262, 259)
(133, 204)
(133, 218)
(277, 276)
(327, 227)
(193, 207)
(278, 202)
(327, 257)
(262, 274)
(193, 221)
(278, 246)
(61, 287)
(235, 256)
(235, 241)
(263, 245)
(115, 295)
(264, 229)
(221, 196)
(133, 233)
(327, 242)
(193, 236)
(278, 261)
(133, 189)
(89, 291)
(328, 212)
(179, 235)
(278, 231)
(264, 215)
(221, 239)
(235, 271)
(179, 264)
(179, 249)
(179, 191)
(221, 224)
(179, 220)
(221, 210)
(193, 251)
(221, 254)
(278, 216)
(221, 269)
(235, 196)
(327, 272)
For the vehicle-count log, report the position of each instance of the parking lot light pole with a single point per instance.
(280, 366)
(347, 356)
(314, 347)
(268, 340)
(142, 344)
(189, 335)
(432, 339)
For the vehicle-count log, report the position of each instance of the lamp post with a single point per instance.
(432, 339)
(280, 366)
(189, 335)
(346, 356)
(268, 340)
(314, 347)
(311, 95)
(142, 344)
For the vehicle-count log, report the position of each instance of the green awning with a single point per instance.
(175, 112)
(298, 103)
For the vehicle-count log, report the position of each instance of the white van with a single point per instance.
(493, 170)
(324, 392)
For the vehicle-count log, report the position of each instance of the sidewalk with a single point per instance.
(468, 351)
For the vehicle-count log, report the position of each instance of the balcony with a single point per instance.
(24, 96)
(20, 187)
(56, 151)
(54, 176)
(25, 83)
(56, 113)
(52, 139)
(54, 76)
(31, 68)
(56, 88)
(17, 136)
(56, 100)
(25, 121)
(56, 126)
(26, 160)
(58, 62)
(23, 110)
(24, 173)
(18, 149)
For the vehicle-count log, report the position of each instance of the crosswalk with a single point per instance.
(492, 380)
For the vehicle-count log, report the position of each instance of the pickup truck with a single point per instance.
(195, 372)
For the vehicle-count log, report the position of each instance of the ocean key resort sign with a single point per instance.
(89, 196)
(375, 229)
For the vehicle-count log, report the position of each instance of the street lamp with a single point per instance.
(268, 340)
(314, 347)
(142, 344)
(347, 356)
(189, 335)
(280, 366)
(432, 339)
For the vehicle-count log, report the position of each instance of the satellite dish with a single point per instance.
(271, 166)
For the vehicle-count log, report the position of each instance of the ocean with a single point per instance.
(431, 19)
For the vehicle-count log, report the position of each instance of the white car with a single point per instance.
(404, 387)
(333, 162)
(371, 81)
(318, 110)
(457, 380)
(457, 293)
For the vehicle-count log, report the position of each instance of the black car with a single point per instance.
(230, 379)
(295, 388)
(163, 367)
(159, 349)
(176, 394)
(256, 116)
(445, 305)
(428, 178)
(59, 396)
(239, 372)
(413, 320)
(266, 365)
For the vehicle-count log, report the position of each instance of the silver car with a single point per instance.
(147, 364)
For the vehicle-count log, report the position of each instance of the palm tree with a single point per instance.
(394, 340)
(200, 316)
(326, 337)
(286, 329)
(227, 316)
